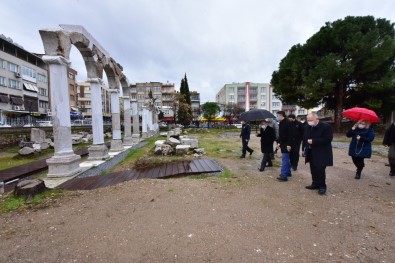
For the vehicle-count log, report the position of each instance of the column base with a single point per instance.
(116, 146)
(63, 166)
(144, 135)
(128, 141)
(135, 138)
(98, 152)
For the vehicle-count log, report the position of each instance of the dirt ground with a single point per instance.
(248, 218)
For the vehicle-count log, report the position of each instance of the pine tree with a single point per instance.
(186, 90)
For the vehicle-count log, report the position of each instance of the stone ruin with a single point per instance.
(38, 141)
(177, 144)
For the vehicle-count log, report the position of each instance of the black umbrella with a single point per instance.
(256, 115)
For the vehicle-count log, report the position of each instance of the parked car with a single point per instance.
(4, 125)
(237, 125)
(44, 123)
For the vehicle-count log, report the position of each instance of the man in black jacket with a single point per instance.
(245, 138)
(268, 136)
(299, 129)
(389, 141)
(318, 151)
(286, 135)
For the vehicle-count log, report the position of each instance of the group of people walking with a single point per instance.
(315, 137)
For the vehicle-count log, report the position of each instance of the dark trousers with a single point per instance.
(359, 163)
(266, 160)
(294, 156)
(318, 175)
(245, 147)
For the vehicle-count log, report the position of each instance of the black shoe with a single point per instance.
(392, 174)
(289, 175)
(251, 152)
(311, 187)
(269, 165)
(261, 170)
(294, 168)
(242, 156)
(358, 175)
(282, 179)
(321, 191)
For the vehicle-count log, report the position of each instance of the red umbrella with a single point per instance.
(357, 114)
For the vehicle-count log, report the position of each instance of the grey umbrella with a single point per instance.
(256, 115)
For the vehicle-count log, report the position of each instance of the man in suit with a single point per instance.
(285, 143)
(268, 136)
(318, 151)
(245, 138)
(299, 129)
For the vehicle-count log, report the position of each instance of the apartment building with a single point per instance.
(84, 100)
(162, 93)
(72, 84)
(24, 87)
(248, 95)
(195, 104)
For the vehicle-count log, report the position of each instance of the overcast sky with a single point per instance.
(213, 41)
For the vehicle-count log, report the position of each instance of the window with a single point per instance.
(133, 90)
(3, 64)
(3, 81)
(42, 92)
(141, 104)
(253, 89)
(71, 75)
(43, 104)
(13, 67)
(87, 95)
(241, 97)
(253, 96)
(263, 89)
(263, 96)
(132, 97)
(240, 89)
(71, 87)
(231, 89)
(14, 84)
(232, 97)
(301, 112)
(42, 78)
(26, 71)
(276, 104)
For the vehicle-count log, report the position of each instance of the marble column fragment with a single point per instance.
(136, 123)
(144, 122)
(127, 138)
(64, 161)
(98, 150)
(116, 142)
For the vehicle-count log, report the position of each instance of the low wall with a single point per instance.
(11, 137)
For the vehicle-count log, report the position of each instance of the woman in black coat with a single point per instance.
(268, 136)
(361, 135)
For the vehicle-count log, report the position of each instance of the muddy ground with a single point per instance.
(248, 218)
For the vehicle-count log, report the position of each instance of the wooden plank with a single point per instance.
(213, 167)
(193, 168)
(181, 168)
(200, 165)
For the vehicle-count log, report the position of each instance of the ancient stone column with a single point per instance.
(98, 150)
(144, 122)
(127, 138)
(116, 142)
(64, 162)
(136, 124)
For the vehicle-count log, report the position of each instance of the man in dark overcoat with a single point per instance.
(245, 138)
(299, 130)
(318, 151)
(286, 139)
(268, 136)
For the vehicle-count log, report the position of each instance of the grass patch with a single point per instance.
(199, 176)
(12, 203)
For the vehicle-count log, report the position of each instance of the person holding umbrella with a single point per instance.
(268, 136)
(389, 141)
(361, 135)
(245, 138)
